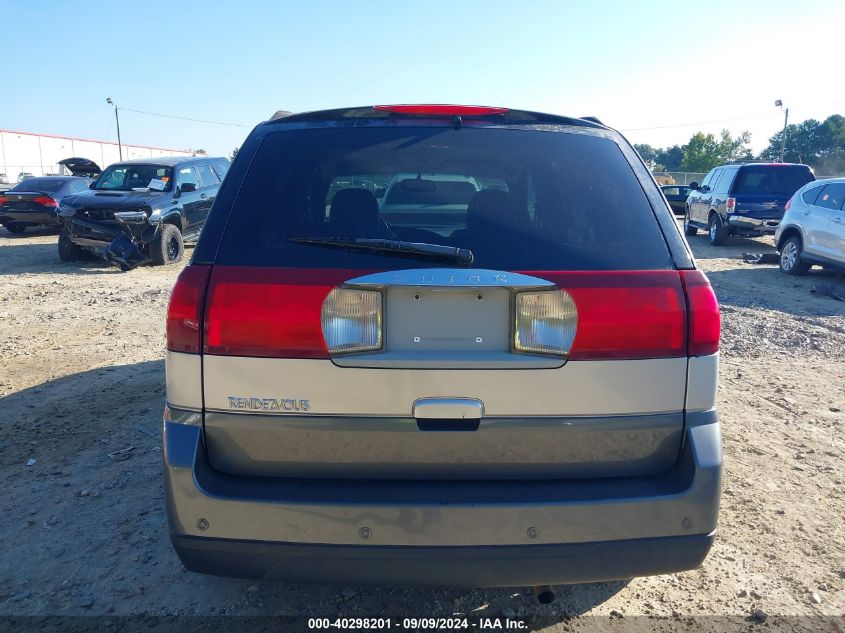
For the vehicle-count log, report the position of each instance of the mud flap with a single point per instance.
(123, 252)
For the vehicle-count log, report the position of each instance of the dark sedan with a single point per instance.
(676, 196)
(34, 201)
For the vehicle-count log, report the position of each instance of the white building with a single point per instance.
(39, 154)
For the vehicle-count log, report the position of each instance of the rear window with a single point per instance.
(41, 185)
(519, 199)
(778, 180)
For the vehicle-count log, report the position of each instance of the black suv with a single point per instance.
(141, 211)
(746, 199)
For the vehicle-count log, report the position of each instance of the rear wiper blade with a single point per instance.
(394, 247)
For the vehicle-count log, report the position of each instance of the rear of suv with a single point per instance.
(812, 231)
(521, 392)
(748, 199)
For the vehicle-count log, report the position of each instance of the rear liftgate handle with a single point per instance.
(448, 414)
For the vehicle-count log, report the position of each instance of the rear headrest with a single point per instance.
(354, 213)
(495, 208)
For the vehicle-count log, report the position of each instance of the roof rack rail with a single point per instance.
(592, 119)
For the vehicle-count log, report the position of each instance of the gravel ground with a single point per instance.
(82, 518)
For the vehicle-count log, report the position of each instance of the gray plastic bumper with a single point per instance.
(472, 533)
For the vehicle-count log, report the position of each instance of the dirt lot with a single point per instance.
(83, 527)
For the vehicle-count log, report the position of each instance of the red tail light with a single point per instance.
(626, 314)
(184, 312)
(46, 201)
(4, 200)
(730, 204)
(705, 324)
(268, 312)
(442, 110)
(788, 204)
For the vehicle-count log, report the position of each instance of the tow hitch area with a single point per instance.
(123, 252)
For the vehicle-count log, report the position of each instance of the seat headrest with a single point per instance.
(354, 213)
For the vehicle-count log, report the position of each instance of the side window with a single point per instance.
(832, 196)
(187, 175)
(207, 175)
(727, 178)
(78, 185)
(710, 179)
(809, 196)
(672, 191)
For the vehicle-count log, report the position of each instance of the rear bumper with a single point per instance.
(41, 218)
(503, 566)
(473, 533)
(764, 226)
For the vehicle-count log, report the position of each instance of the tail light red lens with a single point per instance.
(4, 200)
(730, 204)
(626, 314)
(271, 312)
(704, 323)
(46, 201)
(184, 312)
(788, 205)
(280, 313)
(441, 110)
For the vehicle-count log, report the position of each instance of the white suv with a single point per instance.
(812, 231)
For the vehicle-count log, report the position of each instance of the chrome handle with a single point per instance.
(448, 409)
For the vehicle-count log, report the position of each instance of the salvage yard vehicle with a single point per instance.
(812, 231)
(523, 397)
(676, 196)
(33, 202)
(141, 211)
(743, 199)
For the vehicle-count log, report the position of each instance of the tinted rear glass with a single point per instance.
(778, 180)
(46, 185)
(547, 200)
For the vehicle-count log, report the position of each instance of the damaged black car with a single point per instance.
(141, 211)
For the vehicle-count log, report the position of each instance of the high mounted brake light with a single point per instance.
(442, 110)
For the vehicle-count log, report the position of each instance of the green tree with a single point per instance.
(669, 159)
(804, 143)
(705, 151)
(648, 153)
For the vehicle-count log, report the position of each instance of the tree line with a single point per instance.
(818, 144)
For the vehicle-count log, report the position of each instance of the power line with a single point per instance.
(675, 125)
(183, 118)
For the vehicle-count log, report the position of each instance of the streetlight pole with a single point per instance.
(779, 103)
(117, 121)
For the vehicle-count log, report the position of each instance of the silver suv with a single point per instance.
(516, 387)
(812, 230)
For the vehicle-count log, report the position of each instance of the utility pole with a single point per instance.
(117, 121)
(779, 103)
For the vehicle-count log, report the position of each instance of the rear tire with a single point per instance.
(15, 228)
(689, 229)
(168, 246)
(790, 257)
(68, 251)
(716, 230)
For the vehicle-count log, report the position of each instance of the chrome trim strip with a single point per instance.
(450, 278)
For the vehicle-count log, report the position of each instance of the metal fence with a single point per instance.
(678, 177)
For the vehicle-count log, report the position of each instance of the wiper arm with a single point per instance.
(394, 247)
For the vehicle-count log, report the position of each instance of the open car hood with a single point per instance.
(81, 167)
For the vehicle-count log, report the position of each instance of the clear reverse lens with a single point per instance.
(546, 322)
(351, 320)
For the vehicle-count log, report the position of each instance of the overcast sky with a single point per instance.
(635, 65)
